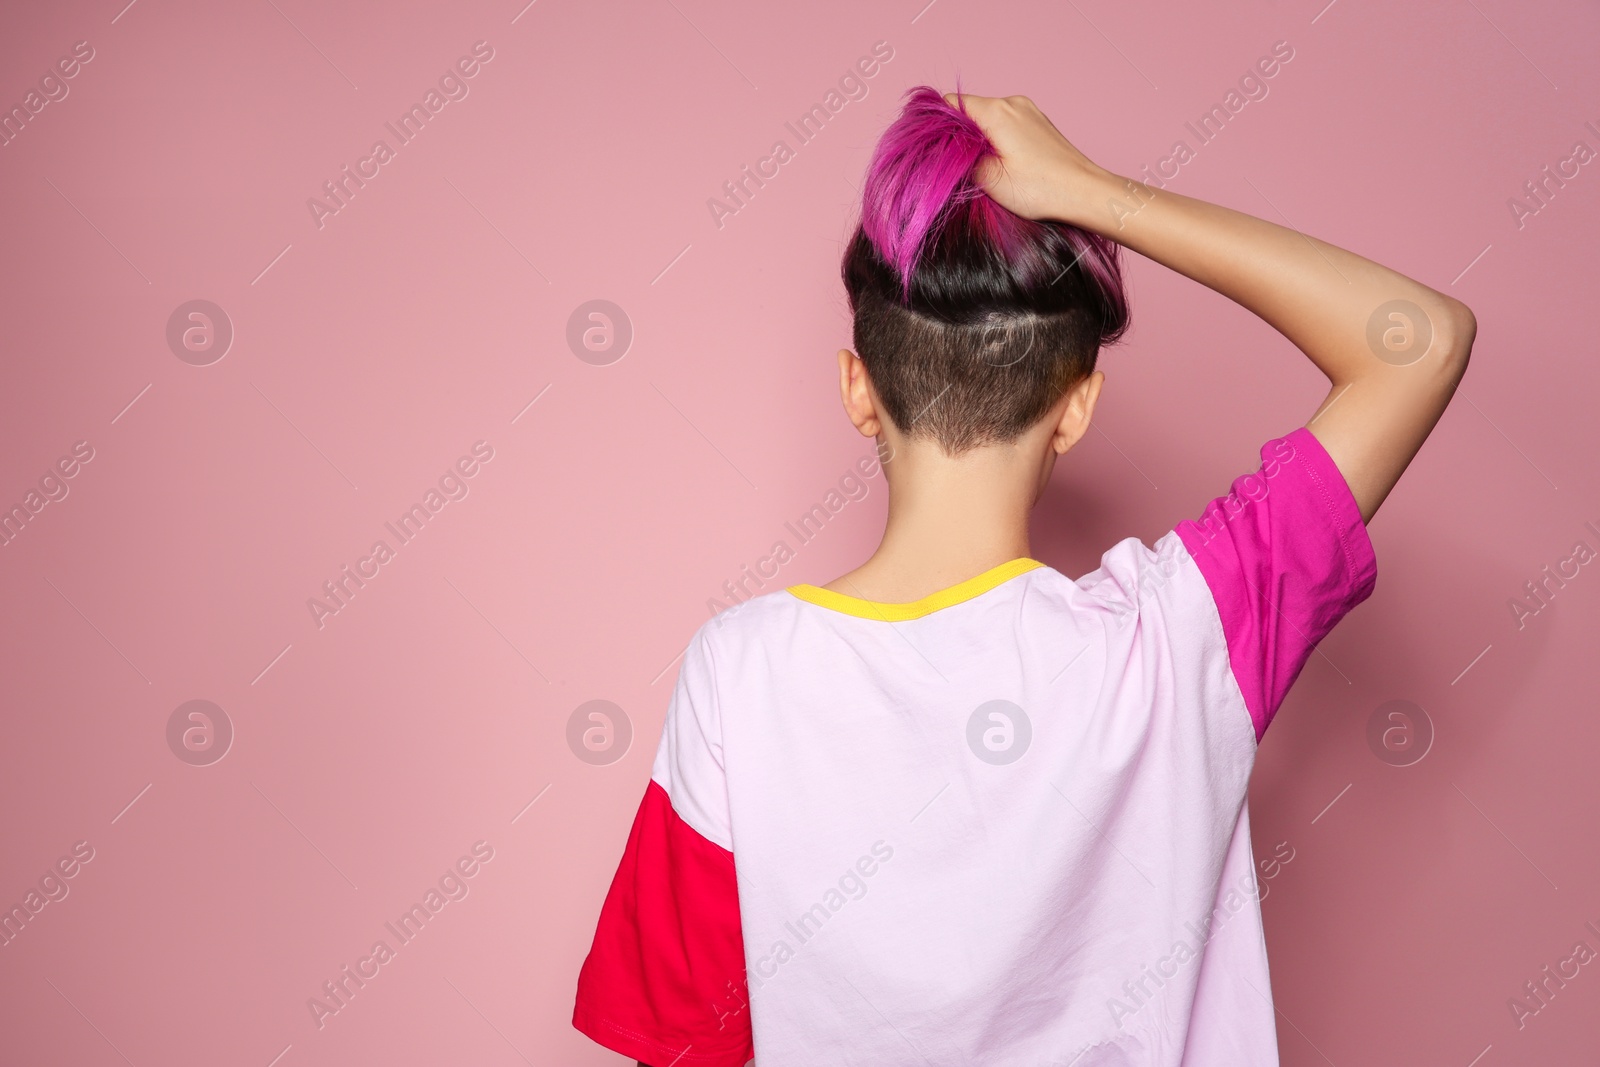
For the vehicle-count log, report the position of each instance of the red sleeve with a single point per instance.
(664, 982)
(1286, 556)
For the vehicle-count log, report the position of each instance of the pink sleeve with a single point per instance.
(1285, 555)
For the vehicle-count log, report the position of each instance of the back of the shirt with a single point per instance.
(1005, 824)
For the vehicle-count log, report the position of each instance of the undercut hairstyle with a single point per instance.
(972, 321)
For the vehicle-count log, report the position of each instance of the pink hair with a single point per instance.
(921, 180)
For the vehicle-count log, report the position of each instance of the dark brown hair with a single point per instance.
(972, 321)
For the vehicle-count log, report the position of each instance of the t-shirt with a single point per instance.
(1005, 824)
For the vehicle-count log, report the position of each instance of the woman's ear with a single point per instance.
(855, 389)
(1079, 411)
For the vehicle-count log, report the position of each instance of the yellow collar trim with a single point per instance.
(916, 609)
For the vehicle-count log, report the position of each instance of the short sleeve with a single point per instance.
(664, 982)
(1285, 555)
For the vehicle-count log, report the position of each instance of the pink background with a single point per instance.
(372, 352)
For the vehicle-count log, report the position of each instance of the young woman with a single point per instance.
(955, 807)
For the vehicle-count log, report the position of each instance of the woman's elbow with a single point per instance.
(1460, 330)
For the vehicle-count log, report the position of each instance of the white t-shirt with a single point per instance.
(1005, 824)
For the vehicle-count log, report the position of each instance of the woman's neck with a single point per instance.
(950, 519)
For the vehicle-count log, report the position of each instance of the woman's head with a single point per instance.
(971, 321)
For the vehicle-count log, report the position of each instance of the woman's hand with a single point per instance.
(1324, 299)
(1040, 174)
